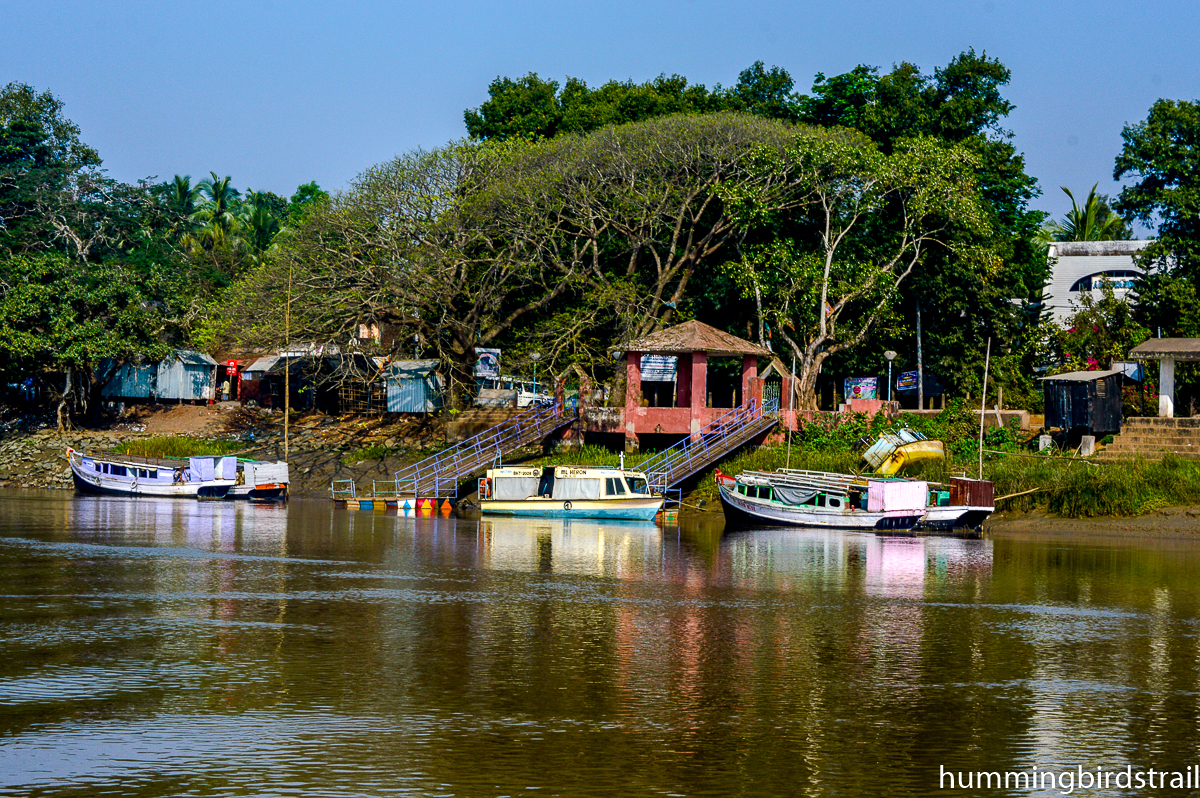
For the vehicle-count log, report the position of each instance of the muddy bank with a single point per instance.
(1164, 523)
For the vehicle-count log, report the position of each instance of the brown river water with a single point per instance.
(173, 648)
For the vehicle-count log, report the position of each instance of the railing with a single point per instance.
(717, 438)
(343, 489)
(438, 476)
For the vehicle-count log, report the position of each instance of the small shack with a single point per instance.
(1088, 400)
(413, 386)
(187, 376)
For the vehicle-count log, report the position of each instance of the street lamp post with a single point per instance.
(535, 357)
(890, 355)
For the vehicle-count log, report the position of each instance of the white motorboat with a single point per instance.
(568, 492)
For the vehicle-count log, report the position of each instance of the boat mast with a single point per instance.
(791, 409)
(983, 403)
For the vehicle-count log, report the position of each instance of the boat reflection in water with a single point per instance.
(612, 548)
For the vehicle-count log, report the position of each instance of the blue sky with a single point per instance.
(279, 93)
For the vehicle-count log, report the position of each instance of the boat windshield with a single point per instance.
(637, 485)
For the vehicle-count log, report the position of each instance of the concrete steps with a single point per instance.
(1152, 437)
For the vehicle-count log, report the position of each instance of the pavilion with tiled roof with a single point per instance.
(692, 343)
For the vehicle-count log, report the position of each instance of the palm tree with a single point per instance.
(218, 203)
(259, 221)
(1094, 221)
(182, 195)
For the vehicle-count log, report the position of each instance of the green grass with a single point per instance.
(179, 446)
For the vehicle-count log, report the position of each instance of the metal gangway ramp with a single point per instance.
(718, 438)
(438, 476)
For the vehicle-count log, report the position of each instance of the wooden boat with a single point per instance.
(127, 475)
(260, 481)
(821, 499)
(568, 492)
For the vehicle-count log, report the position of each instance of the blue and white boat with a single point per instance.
(126, 475)
(568, 492)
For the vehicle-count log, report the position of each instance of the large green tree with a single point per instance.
(1162, 155)
(827, 265)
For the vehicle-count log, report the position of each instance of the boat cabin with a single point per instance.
(571, 483)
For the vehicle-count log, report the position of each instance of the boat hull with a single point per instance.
(535, 507)
(955, 516)
(747, 510)
(101, 487)
(258, 492)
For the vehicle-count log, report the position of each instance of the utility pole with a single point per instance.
(920, 364)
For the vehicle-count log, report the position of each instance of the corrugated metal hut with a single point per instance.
(1088, 400)
(413, 386)
(129, 381)
(187, 376)
(184, 375)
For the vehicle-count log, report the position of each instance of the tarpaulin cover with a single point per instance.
(202, 468)
(576, 489)
(514, 488)
(897, 498)
(792, 495)
(227, 468)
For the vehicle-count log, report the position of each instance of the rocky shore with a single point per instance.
(321, 448)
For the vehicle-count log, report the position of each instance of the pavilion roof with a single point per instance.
(1160, 348)
(695, 336)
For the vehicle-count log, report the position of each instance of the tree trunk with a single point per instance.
(64, 414)
(808, 369)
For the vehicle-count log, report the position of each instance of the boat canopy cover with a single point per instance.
(514, 488)
(576, 489)
(794, 495)
(203, 468)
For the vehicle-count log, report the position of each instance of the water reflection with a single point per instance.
(154, 647)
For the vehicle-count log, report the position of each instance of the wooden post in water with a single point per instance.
(987, 361)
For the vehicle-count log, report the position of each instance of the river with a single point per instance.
(171, 648)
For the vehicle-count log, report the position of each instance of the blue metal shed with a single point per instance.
(413, 386)
(129, 382)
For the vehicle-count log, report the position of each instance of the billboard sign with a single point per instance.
(487, 363)
(861, 388)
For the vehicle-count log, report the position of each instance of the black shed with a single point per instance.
(1088, 400)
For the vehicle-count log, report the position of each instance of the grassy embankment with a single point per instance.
(179, 446)
(1064, 485)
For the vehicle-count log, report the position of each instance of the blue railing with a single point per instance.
(717, 438)
(438, 476)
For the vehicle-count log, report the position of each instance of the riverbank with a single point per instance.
(1165, 523)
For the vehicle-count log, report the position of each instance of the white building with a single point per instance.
(1081, 265)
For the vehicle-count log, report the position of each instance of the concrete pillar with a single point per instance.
(633, 398)
(749, 377)
(1044, 442)
(699, 391)
(683, 380)
(1166, 387)
(1087, 446)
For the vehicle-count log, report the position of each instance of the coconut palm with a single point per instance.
(1093, 221)
(218, 203)
(182, 195)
